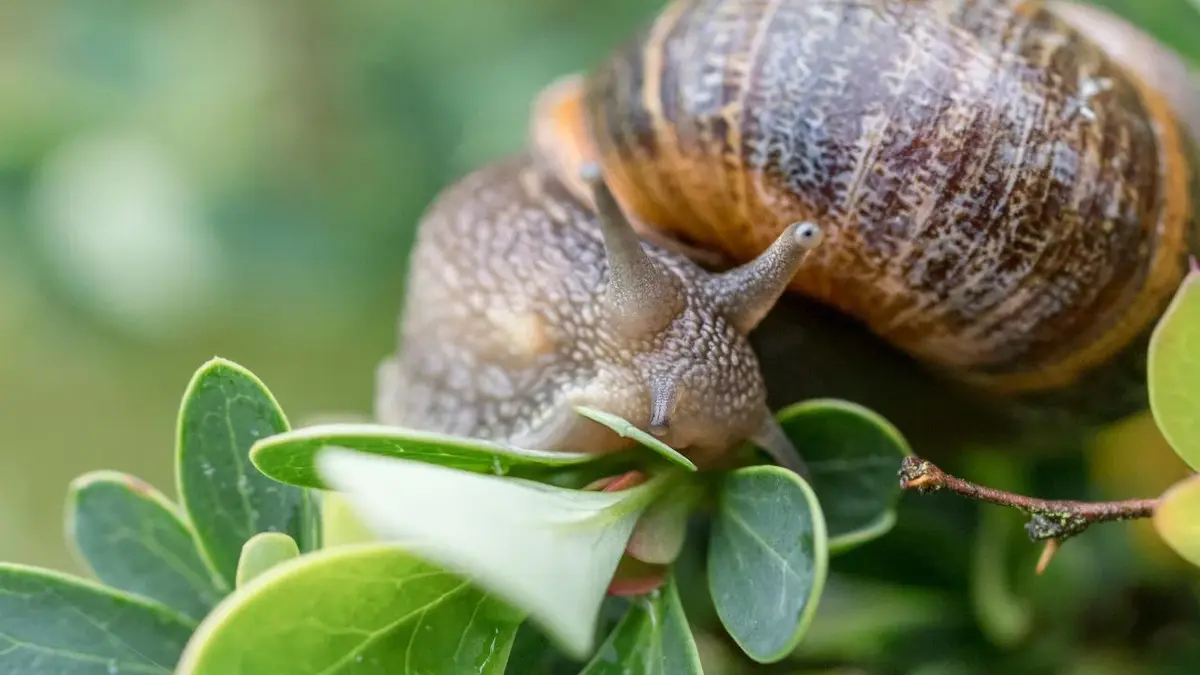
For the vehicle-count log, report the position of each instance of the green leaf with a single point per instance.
(225, 410)
(1004, 615)
(264, 551)
(853, 455)
(1174, 371)
(548, 551)
(653, 638)
(627, 430)
(133, 539)
(291, 457)
(362, 609)
(54, 623)
(1177, 519)
(340, 525)
(767, 559)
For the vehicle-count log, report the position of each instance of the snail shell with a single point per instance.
(998, 197)
(1003, 199)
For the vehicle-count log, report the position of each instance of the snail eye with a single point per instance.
(808, 234)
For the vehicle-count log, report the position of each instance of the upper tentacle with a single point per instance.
(641, 297)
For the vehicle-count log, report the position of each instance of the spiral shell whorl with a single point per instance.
(998, 197)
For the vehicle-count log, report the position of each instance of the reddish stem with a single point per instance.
(1052, 519)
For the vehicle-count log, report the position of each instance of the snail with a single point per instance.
(525, 303)
(1002, 192)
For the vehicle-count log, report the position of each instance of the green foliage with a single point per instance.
(1174, 382)
(653, 638)
(454, 544)
(852, 454)
(53, 623)
(264, 551)
(291, 457)
(430, 552)
(549, 551)
(1174, 371)
(768, 557)
(627, 430)
(225, 411)
(355, 609)
(1177, 519)
(162, 566)
(338, 190)
(132, 539)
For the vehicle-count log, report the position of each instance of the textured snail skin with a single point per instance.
(523, 303)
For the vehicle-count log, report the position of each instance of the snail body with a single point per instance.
(525, 303)
(1000, 198)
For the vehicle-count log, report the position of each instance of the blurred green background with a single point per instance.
(231, 177)
(241, 178)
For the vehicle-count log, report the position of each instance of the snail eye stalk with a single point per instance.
(642, 297)
(747, 293)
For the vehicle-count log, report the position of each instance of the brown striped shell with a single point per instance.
(1000, 196)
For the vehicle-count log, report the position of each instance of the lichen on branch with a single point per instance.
(1052, 521)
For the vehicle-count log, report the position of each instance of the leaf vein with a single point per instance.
(737, 519)
(376, 634)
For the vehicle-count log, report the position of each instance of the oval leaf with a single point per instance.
(1174, 372)
(264, 551)
(225, 410)
(625, 429)
(767, 559)
(853, 455)
(548, 551)
(653, 638)
(54, 623)
(354, 609)
(134, 540)
(1177, 519)
(291, 457)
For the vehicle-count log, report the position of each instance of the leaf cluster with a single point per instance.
(367, 548)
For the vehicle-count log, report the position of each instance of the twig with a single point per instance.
(1052, 521)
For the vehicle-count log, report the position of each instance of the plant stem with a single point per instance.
(1054, 520)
